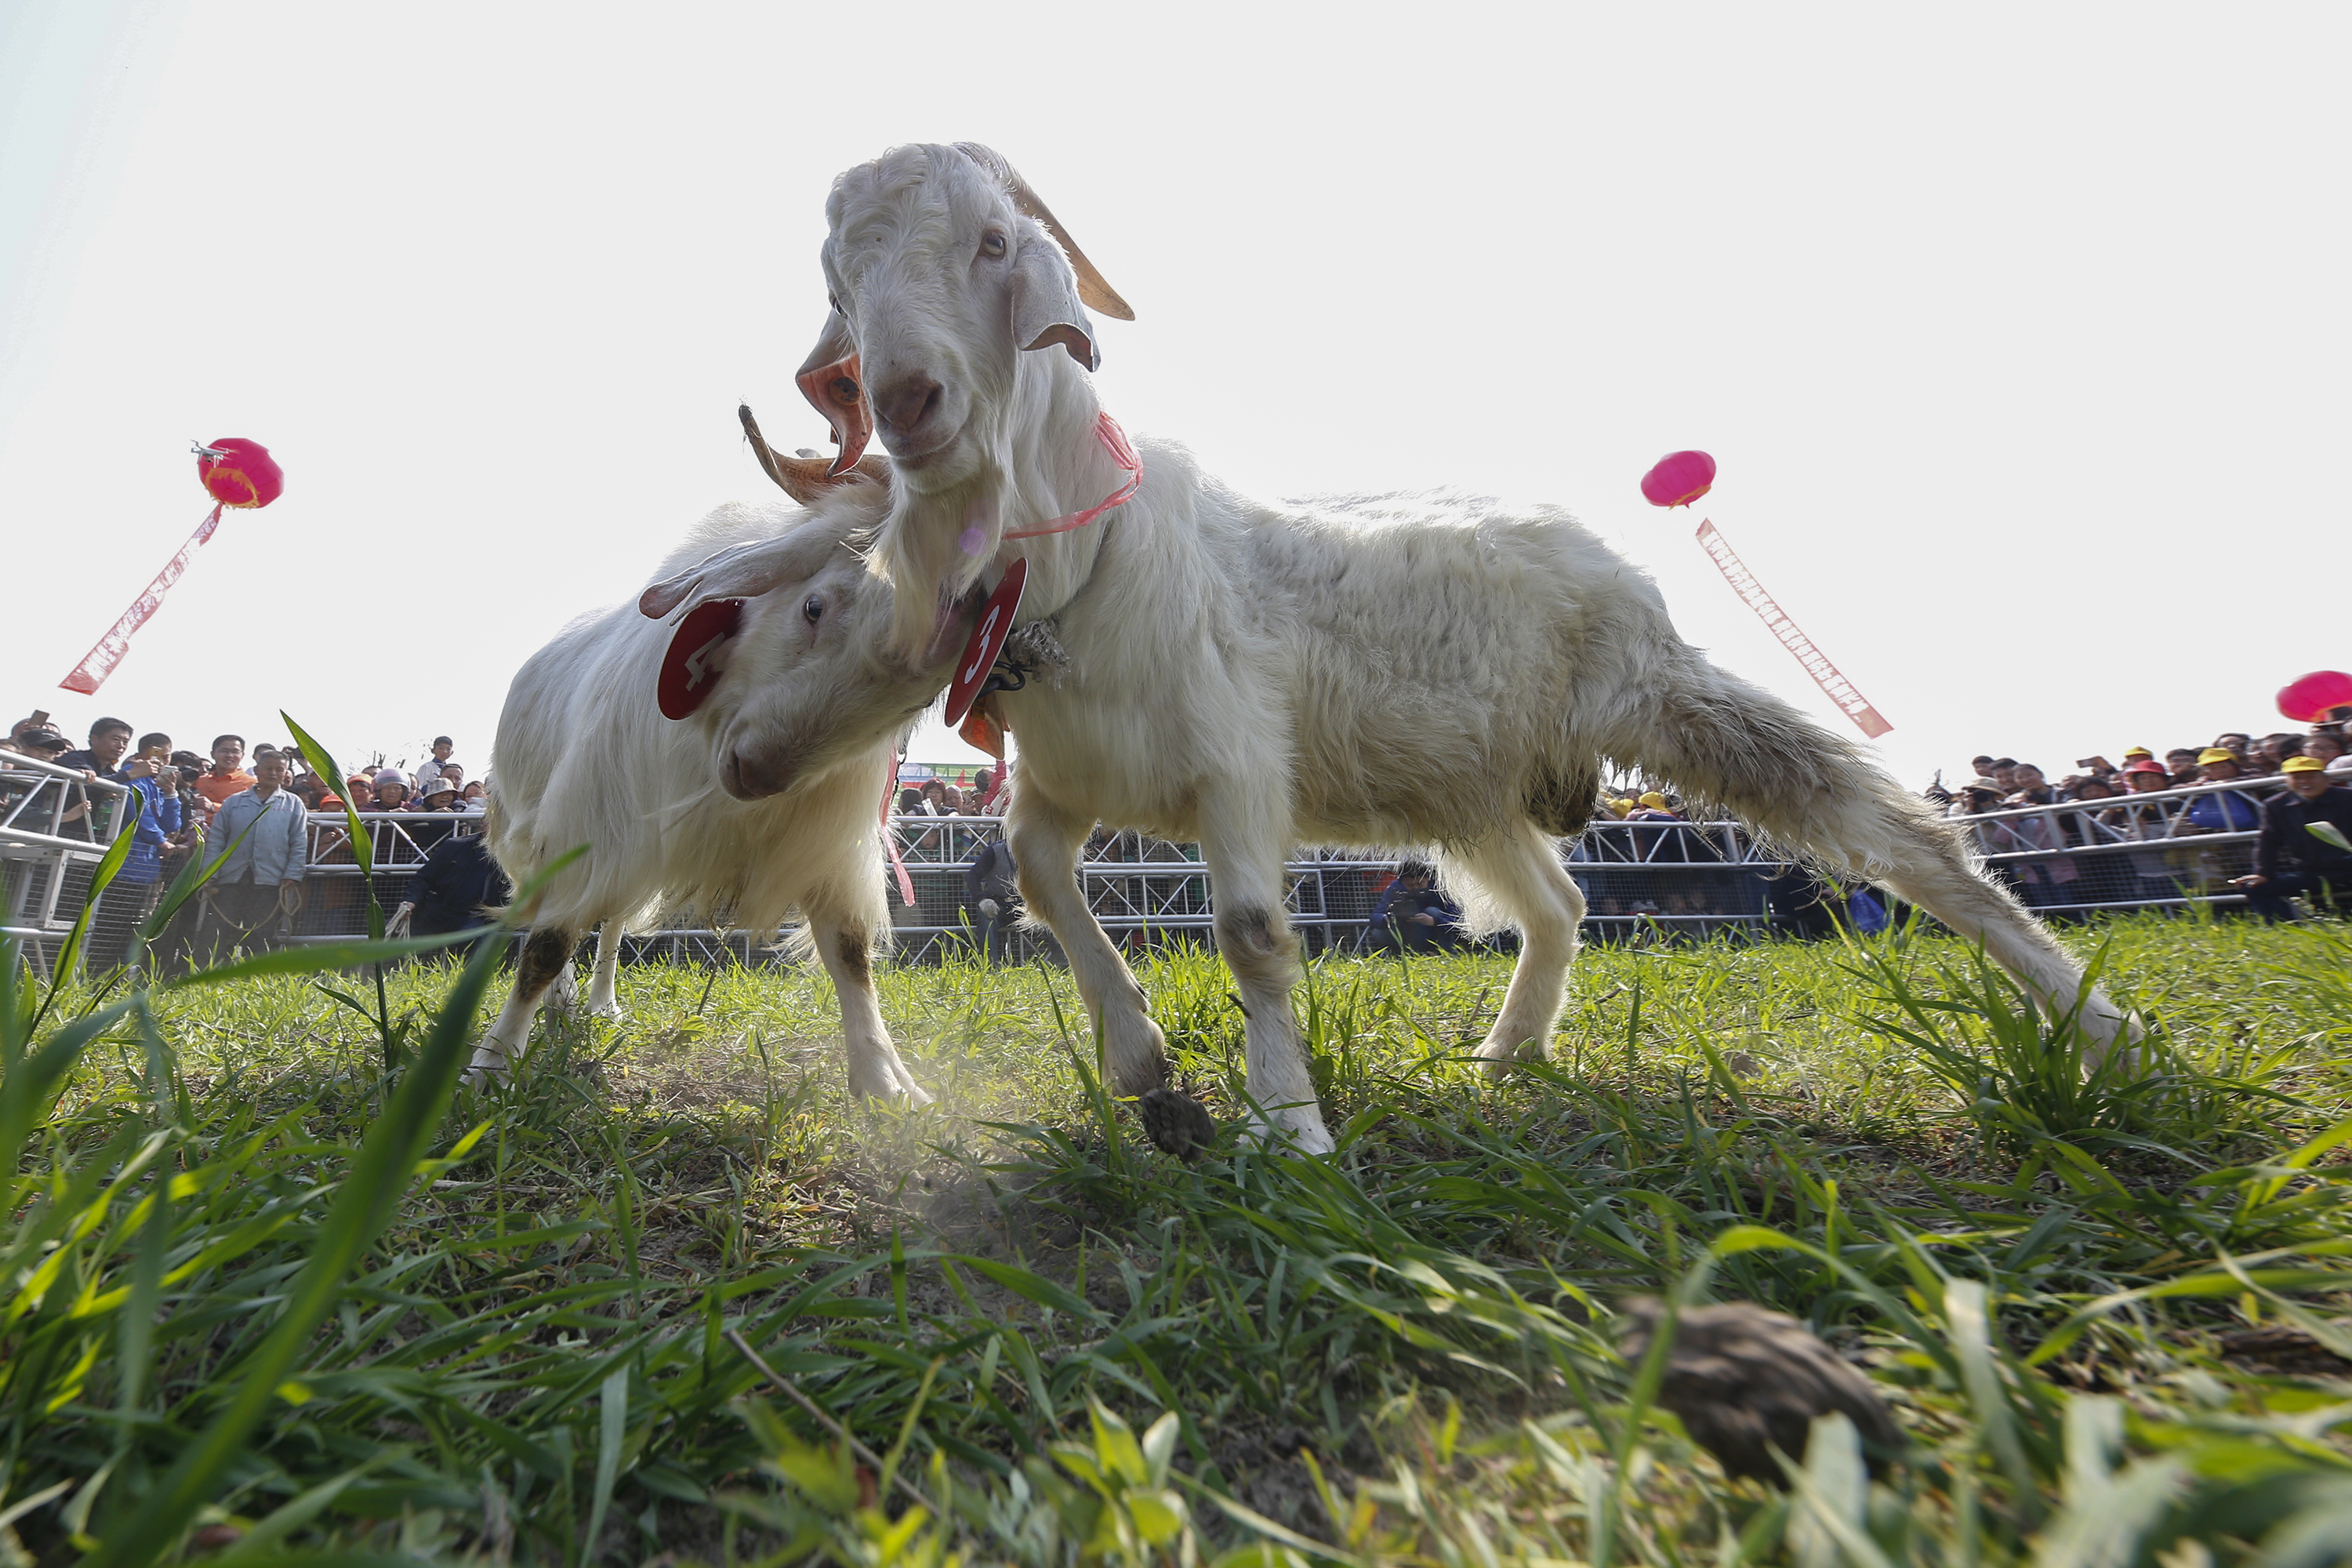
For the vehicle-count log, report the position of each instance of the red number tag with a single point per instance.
(691, 667)
(987, 642)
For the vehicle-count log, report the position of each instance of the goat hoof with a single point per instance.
(890, 1084)
(1177, 1124)
(488, 1067)
(1294, 1133)
(1500, 1054)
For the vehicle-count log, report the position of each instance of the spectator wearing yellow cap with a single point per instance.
(2302, 847)
(2219, 811)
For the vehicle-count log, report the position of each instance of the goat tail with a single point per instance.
(1818, 795)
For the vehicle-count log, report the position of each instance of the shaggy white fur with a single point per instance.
(584, 756)
(1369, 670)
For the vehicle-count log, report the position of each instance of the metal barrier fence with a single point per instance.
(55, 827)
(1146, 891)
(2166, 849)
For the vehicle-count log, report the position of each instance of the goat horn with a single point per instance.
(1096, 294)
(805, 479)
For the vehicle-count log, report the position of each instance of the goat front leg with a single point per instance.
(546, 958)
(602, 1003)
(844, 945)
(1243, 835)
(1045, 842)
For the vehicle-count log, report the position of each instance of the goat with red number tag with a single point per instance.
(1369, 670)
(621, 735)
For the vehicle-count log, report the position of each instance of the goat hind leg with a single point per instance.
(1520, 870)
(1044, 843)
(602, 1003)
(1819, 793)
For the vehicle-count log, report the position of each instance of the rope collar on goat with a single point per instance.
(1115, 442)
(981, 670)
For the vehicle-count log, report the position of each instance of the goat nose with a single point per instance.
(755, 777)
(906, 403)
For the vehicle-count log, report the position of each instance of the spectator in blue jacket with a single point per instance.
(156, 825)
(1413, 916)
(2220, 810)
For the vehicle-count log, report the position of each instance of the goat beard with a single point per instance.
(931, 551)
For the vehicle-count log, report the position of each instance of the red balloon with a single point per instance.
(1679, 478)
(2307, 700)
(243, 475)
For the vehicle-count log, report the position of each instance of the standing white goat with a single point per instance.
(584, 756)
(1377, 670)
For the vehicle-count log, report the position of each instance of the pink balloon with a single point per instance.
(1679, 478)
(2307, 699)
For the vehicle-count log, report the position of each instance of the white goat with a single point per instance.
(1372, 670)
(584, 756)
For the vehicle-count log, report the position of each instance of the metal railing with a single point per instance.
(2159, 850)
(2165, 849)
(55, 827)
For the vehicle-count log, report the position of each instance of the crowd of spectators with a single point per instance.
(2003, 783)
(940, 797)
(202, 787)
(248, 812)
(2301, 848)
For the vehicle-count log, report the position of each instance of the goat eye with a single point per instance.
(991, 244)
(813, 608)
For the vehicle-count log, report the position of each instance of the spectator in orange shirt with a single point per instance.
(226, 776)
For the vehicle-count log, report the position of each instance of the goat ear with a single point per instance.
(746, 570)
(1046, 309)
(807, 480)
(830, 379)
(1091, 287)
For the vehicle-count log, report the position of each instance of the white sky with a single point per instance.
(2019, 332)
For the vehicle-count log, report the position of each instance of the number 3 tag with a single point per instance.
(987, 642)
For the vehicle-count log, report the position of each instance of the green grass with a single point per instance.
(259, 1260)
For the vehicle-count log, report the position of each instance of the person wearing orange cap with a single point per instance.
(2305, 846)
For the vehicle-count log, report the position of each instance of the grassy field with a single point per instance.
(272, 1287)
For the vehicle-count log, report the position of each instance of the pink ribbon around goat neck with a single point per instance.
(1114, 441)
